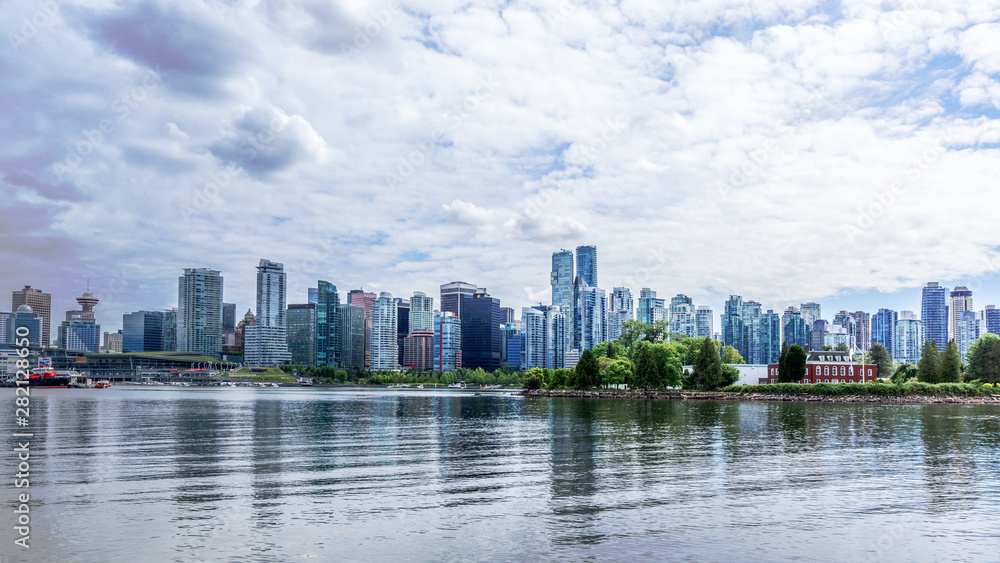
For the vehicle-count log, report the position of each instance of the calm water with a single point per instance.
(147, 474)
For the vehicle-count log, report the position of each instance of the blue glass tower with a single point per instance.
(934, 314)
(561, 278)
(884, 329)
(586, 264)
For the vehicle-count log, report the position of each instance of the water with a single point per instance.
(154, 474)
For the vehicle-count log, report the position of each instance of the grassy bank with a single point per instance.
(877, 389)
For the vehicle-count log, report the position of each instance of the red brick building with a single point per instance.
(829, 367)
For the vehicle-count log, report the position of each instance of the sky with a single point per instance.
(783, 150)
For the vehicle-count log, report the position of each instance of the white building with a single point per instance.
(682, 316)
(384, 348)
(546, 333)
(264, 341)
(909, 338)
(421, 312)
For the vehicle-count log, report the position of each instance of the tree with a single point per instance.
(532, 382)
(782, 370)
(984, 359)
(950, 365)
(904, 373)
(731, 356)
(928, 368)
(667, 358)
(879, 355)
(588, 371)
(707, 372)
(645, 365)
(619, 372)
(795, 363)
(730, 375)
(842, 347)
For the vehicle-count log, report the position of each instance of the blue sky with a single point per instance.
(782, 150)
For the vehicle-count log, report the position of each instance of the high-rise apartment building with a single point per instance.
(647, 304)
(770, 337)
(884, 329)
(991, 320)
(507, 315)
(969, 330)
(590, 314)
(300, 333)
(352, 327)
(795, 331)
(510, 345)
(846, 321)
(704, 322)
(112, 342)
(41, 305)
(402, 325)
(934, 313)
(365, 300)
(418, 349)
(228, 316)
(734, 328)
(265, 341)
(480, 331)
(421, 312)
(621, 300)
(447, 342)
(199, 312)
(544, 343)
(961, 301)
(909, 338)
(329, 338)
(384, 353)
(561, 278)
(811, 312)
(586, 264)
(682, 316)
(862, 330)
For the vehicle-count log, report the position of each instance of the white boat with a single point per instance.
(459, 385)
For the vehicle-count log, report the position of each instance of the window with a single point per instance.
(806, 380)
(843, 370)
(852, 370)
(835, 380)
(818, 370)
(869, 372)
(827, 381)
(826, 370)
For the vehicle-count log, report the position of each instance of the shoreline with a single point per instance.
(775, 397)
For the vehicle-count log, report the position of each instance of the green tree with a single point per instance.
(904, 373)
(782, 370)
(950, 365)
(929, 367)
(842, 347)
(879, 355)
(707, 372)
(532, 382)
(730, 375)
(984, 359)
(619, 372)
(731, 356)
(588, 371)
(667, 357)
(795, 363)
(645, 365)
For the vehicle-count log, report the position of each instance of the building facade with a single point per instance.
(960, 302)
(300, 333)
(682, 316)
(353, 335)
(41, 305)
(328, 326)
(142, 331)
(447, 342)
(421, 312)
(909, 338)
(829, 367)
(704, 320)
(199, 312)
(586, 264)
(884, 329)
(418, 350)
(384, 352)
(265, 342)
(862, 330)
(481, 332)
(934, 313)
(561, 278)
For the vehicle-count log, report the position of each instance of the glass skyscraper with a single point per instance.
(586, 264)
(991, 316)
(353, 333)
(795, 330)
(934, 314)
(884, 329)
(909, 338)
(142, 331)
(328, 326)
(704, 322)
(770, 337)
(682, 316)
(421, 312)
(562, 278)
(384, 353)
(590, 313)
(481, 332)
(229, 316)
(447, 342)
(734, 328)
(961, 301)
(264, 341)
(199, 312)
(300, 333)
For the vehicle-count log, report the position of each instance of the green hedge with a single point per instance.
(880, 389)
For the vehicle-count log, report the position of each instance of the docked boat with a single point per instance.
(459, 385)
(45, 377)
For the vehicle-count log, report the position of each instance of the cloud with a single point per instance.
(465, 213)
(264, 140)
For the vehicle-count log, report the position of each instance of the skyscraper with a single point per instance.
(704, 322)
(366, 301)
(25, 318)
(811, 312)
(510, 344)
(647, 303)
(421, 312)
(961, 301)
(312, 295)
(682, 316)
(80, 331)
(586, 264)
(561, 278)
(770, 336)
(969, 330)
(447, 342)
(352, 328)
(846, 321)
(734, 328)
(934, 314)
(621, 300)
(991, 318)
(300, 333)
(228, 316)
(545, 331)
(794, 327)
(265, 341)
(862, 330)
(418, 349)
(507, 315)
(384, 353)
(590, 312)
(402, 325)
(142, 331)
(480, 332)
(909, 338)
(170, 330)
(752, 314)
(884, 329)
(199, 312)
(41, 305)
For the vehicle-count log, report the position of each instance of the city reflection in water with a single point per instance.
(285, 474)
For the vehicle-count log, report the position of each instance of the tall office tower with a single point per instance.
(421, 312)
(447, 342)
(909, 338)
(351, 325)
(586, 264)
(862, 330)
(545, 332)
(264, 341)
(795, 332)
(300, 333)
(818, 334)
(770, 337)
(229, 316)
(561, 278)
(704, 322)
(616, 322)
(329, 337)
(480, 331)
(199, 312)
(961, 301)
(682, 316)
(170, 330)
(113, 342)
(402, 325)
(969, 330)
(312, 295)
(884, 329)
(752, 315)
(41, 305)
(934, 313)
(991, 320)
(366, 301)
(418, 349)
(507, 315)
(811, 313)
(452, 294)
(846, 320)
(734, 328)
(384, 355)
(510, 345)
(647, 303)
(621, 300)
(142, 331)
(26, 318)
(590, 316)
